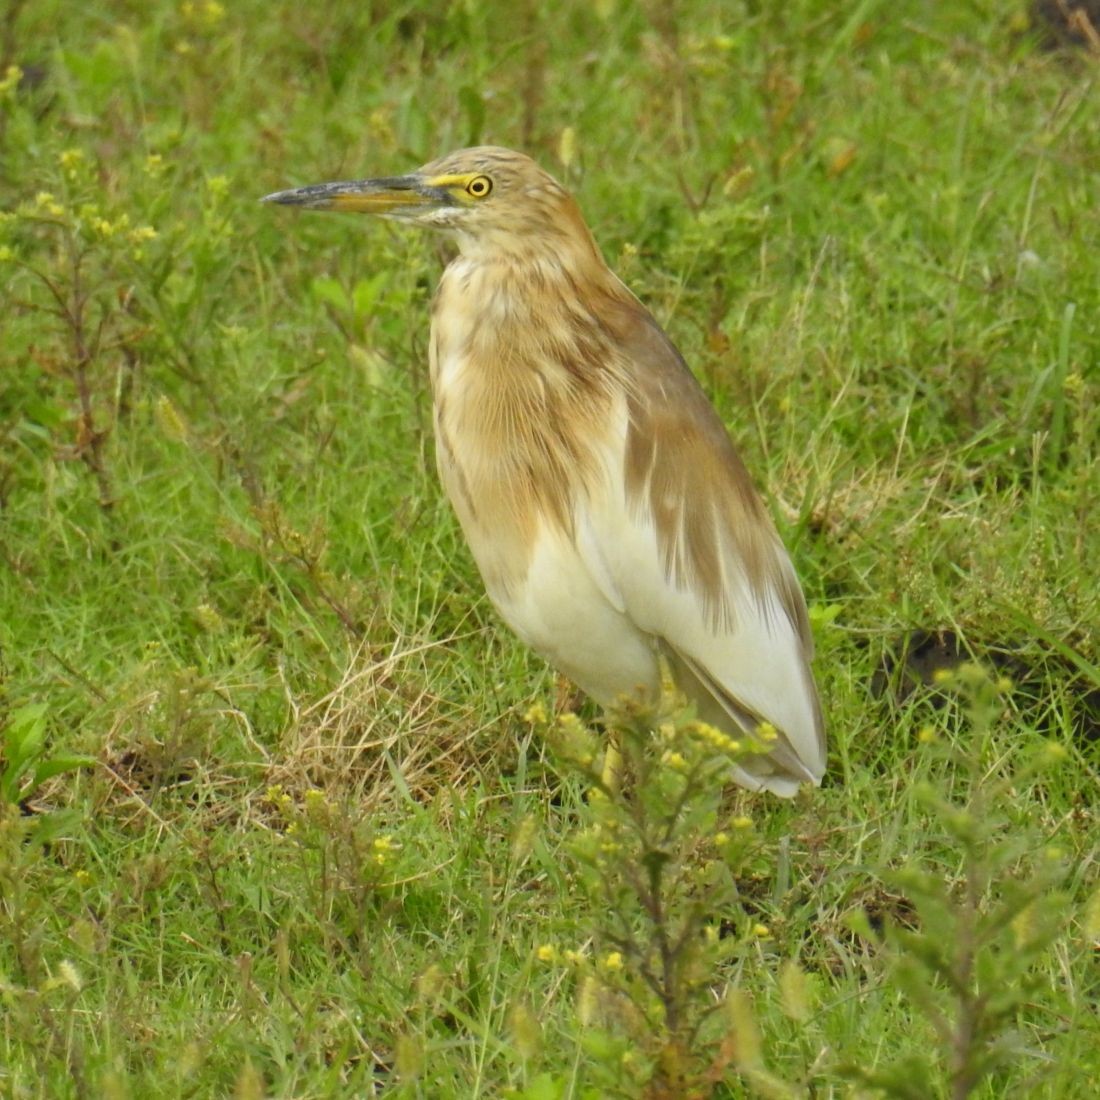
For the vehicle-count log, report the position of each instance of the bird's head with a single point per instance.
(493, 200)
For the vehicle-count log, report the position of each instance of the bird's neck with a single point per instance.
(538, 314)
(533, 282)
(556, 258)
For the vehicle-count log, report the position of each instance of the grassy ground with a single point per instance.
(322, 851)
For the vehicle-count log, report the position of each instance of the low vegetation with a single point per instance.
(286, 812)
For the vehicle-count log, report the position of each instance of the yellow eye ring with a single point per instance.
(479, 187)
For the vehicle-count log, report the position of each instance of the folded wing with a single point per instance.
(696, 562)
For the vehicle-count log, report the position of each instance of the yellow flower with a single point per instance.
(715, 737)
(10, 80)
(536, 715)
(279, 798)
(761, 931)
(570, 723)
(47, 204)
(207, 14)
(218, 186)
(71, 160)
(319, 810)
(547, 953)
(613, 961)
(380, 127)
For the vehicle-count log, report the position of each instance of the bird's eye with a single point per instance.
(479, 187)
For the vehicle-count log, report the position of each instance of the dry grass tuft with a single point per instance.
(383, 731)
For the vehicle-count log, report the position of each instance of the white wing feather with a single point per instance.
(755, 669)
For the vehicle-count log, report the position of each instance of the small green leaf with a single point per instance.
(25, 733)
(543, 1087)
(366, 293)
(330, 292)
(57, 765)
(23, 740)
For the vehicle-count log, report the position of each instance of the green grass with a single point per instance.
(322, 846)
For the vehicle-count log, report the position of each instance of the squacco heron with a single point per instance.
(610, 516)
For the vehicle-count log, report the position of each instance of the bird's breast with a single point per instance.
(520, 419)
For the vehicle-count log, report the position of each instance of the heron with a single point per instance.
(615, 527)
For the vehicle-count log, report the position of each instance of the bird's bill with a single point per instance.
(396, 195)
